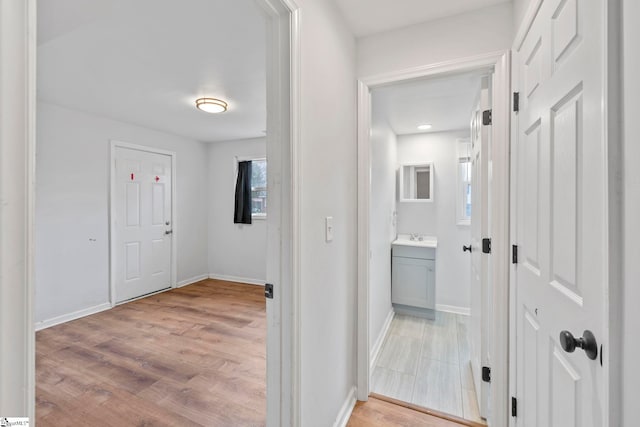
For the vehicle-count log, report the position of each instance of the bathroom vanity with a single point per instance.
(413, 275)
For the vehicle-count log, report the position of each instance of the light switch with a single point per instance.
(328, 228)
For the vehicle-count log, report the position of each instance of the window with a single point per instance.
(463, 194)
(259, 188)
(464, 189)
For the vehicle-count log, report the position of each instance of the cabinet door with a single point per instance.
(413, 282)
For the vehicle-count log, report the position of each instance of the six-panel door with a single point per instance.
(143, 223)
(561, 222)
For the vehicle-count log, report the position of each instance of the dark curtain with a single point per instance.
(242, 214)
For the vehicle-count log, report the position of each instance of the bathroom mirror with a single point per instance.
(416, 182)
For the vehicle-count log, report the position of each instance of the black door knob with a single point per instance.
(587, 342)
(466, 248)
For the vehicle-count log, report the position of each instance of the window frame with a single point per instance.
(238, 159)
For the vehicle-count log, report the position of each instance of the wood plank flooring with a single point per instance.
(426, 363)
(193, 356)
(379, 413)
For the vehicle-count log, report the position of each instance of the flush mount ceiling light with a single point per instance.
(211, 105)
(424, 127)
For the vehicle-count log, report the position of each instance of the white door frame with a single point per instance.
(17, 188)
(499, 222)
(112, 214)
(283, 154)
(17, 210)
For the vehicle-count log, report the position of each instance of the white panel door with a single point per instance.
(480, 297)
(142, 223)
(561, 223)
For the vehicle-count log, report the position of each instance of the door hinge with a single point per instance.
(486, 117)
(514, 407)
(514, 254)
(486, 374)
(268, 290)
(516, 101)
(486, 245)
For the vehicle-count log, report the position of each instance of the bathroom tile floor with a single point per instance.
(426, 362)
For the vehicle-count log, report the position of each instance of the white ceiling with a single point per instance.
(366, 17)
(446, 103)
(146, 61)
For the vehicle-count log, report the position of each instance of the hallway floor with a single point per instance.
(426, 363)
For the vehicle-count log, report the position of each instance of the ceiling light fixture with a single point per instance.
(424, 127)
(211, 105)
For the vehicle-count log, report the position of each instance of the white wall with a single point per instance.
(382, 226)
(438, 218)
(236, 251)
(631, 228)
(329, 172)
(72, 272)
(470, 34)
(519, 10)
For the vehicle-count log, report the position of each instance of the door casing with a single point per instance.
(501, 63)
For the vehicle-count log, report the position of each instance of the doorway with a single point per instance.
(403, 318)
(429, 141)
(283, 108)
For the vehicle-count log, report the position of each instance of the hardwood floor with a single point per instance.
(379, 413)
(193, 356)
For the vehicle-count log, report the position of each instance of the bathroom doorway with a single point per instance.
(429, 316)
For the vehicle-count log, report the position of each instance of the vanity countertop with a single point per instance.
(426, 242)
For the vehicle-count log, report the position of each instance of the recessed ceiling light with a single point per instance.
(424, 127)
(211, 105)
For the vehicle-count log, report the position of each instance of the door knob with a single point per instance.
(587, 342)
(466, 248)
(168, 232)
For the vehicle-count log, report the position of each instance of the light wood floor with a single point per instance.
(426, 363)
(193, 356)
(379, 413)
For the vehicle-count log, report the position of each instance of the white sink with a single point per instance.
(426, 242)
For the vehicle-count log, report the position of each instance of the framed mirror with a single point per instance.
(416, 182)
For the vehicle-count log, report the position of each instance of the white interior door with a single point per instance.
(142, 223)
(480, 297)
(561, 222)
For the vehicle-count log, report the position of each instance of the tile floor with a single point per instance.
(426, 362)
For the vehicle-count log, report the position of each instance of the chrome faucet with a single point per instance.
(415, 236)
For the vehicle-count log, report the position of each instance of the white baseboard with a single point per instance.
(465, 311)
(375, 350)
(246, 280)
(192, 280)
(347, 408)
(72, 316)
